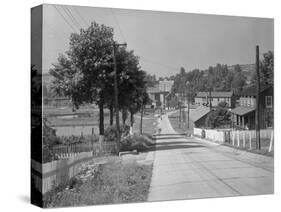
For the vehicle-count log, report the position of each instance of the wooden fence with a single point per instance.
(49, 175)
(247, 139)
(66, 151)
(46, 176)
(239, 138)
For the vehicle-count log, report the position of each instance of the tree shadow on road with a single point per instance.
(174, 138)
(175, 145)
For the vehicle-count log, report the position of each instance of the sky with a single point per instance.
(164, 41)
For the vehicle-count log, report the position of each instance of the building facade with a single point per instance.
(158, 94)
(244, 115)
(205, 98)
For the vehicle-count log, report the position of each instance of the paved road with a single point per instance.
(187, 168)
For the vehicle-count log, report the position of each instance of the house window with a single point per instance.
(268, 101)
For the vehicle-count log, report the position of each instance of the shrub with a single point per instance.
(110, 133)
(49, 140)
(136, 142)
(219, 117)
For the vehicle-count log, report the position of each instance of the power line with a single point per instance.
(122, 34)
(80, 16)
(116, 20)
(72, 19)
(65, 20)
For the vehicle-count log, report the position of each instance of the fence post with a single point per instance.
(271, 142)
(244, 139)
(238, 138)
(250, 140)
(233, 138)
(93, 132)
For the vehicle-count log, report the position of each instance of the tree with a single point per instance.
(132, 83)
(267, 66)
(219, 117)
(151, 80)
(238, 82)
(84, 74)
(266, 70)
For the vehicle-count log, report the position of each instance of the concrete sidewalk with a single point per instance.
(187, 168)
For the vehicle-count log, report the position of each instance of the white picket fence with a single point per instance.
(213, 135)
(246, 138)
(238, 138)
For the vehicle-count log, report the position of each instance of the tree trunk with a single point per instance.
(132, 118)
(111, 114)
(141, 119)
(131, 122)
(124, 116)
(101, 115)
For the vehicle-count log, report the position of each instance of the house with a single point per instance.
(199, 115)
(159, 93)
(154, 96)
(166, 85)
(244, 115)
(204, 98)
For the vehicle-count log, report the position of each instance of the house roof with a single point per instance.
(199, 112)
(241, 111)
(215, 94)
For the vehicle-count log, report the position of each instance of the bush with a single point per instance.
(219, 117)
(110, 133)
(136, 142)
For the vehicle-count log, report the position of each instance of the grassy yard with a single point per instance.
(118, 181)
(180, 128)
(148, 124)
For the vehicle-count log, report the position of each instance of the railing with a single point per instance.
(239, 138)
(49, 175)
(66, 151)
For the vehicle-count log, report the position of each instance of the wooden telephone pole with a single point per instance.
(115, 47)
(258, 141)
(210, 98)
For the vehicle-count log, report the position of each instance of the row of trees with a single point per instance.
(221, 78)
(85, 73)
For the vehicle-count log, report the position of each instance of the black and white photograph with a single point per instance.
(131, 106)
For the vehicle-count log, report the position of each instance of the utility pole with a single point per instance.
(258, 141)
(188, 101)
(188, 110)
(141, 118)
(179, 114)
(115, 47)
(210, 98)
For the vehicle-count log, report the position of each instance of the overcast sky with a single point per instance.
(163, 41)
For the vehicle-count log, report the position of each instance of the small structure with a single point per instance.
(199, 115)
(159, 93)
(243, 116)
(215, 97)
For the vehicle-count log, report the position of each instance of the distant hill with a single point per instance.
(244, 67)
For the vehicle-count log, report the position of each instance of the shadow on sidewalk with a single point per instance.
(173, 147)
